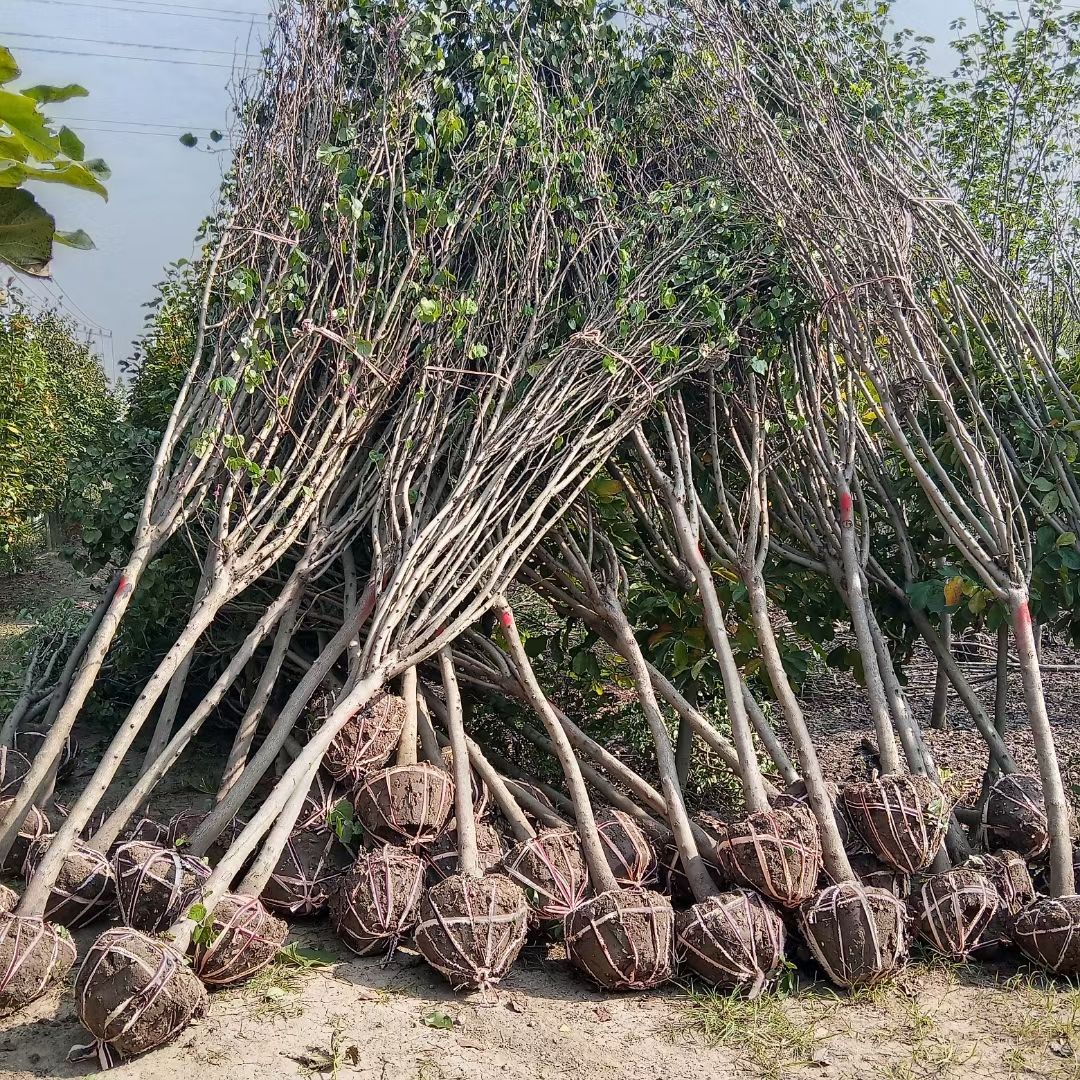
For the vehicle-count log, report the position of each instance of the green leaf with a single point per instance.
(71, 174)
(187, 139)
(71, 144)
(216, 136)
(437, 1018)
(26, 233)
(21, 116)
(47, 95)
(305, 957)
(1066, 540)
(8, 68)
(196, 913)
(76, 239)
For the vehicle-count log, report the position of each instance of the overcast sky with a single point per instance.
(154, 71)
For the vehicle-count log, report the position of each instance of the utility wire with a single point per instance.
(147, 11)
(144, 59)
(190, 7)
(133, 44)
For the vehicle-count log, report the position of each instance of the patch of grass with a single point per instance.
(760, 1031)
(1041, 1017)
(274, 992)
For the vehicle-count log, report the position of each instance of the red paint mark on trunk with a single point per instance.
(506, 618)
(845, 507)
(1023, 615)
(121, 585)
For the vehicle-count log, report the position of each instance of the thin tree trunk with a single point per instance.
(939, 711)
(468, 854)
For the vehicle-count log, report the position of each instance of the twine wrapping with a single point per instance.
(154, 885)
(34, 825)
(1048, 932)
(902, 819)
(310, 866)
(951, 910)
(628, 851)
(134, 993)
(623, 939)
(551, 869)
(28, 742)
(1014, 816)
(84, 888)
(319, 803)
(441, 855)
(14, 766)
(244, 938)
(472, 929)
(366, 741)
(857, 934)
(734, 941)
(408, 804)
(374, 905)
(34, 954)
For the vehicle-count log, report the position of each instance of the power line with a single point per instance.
(136, 11)
(132, 123)
(134, 44)
(191, 7)
(144, 59)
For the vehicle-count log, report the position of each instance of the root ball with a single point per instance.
(1014, 816)
(309, 868)
(240, 939)
(871, 871)
(14, 766)
(1048, 932)
(408, 804)
(550, 867)
(858, 934)
(29, 742)
(134, 993)
(85, 888)
(34, 955)
(441, 855)
(155, 885)
(629, 852)
(624, 939)
(319, 803)
(183, 826)
(951, 910)
(375, 903)
(472, 929)
(735, 941)
(367, 739)
(778, 853)
(34, 825)
(901, 819)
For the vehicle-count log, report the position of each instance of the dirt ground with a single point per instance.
(357, 1019)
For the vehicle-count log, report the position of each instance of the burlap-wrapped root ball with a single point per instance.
(951, 910)
(374, 905)
(550, 867)
(34, 825)
(8, 899)
(29, 741)
(481, 798)
(735, 941)
(1048, 932)
(441, 855)
(859, 935)
(778, 853)
(307, 872)
(406, 804)
(1014, 816)
(629, 852)
(796, 795)
(143, 828)
(34, 954)
(13, 769)
(134, 993)
(870, 870)
(367, 739)
(536, 792)
(901, 819)
(623, 939)
(239, 939)
(85, 888)
(182, 827)
(673, 879)
(320, 802)
(1012, 880)
(472, 929)
(155, 885)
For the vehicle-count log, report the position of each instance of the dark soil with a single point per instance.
(551, 869)
(406, 803)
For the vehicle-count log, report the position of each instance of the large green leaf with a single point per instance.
(70, 173)
(19, 113)
(26, 233)
(12, 174)
(45, 95)
(11, 149)
(8, 68)
(71, 144)
(76, 239)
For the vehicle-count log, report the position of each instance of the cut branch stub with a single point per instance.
(480, 794)
(155, 885)
(14, 766)
(34, 825)
(951, 910)
(628, 851)
(366, 741)
(408, 804)
(858, 935)
(307, 872)
(735, 941)
(134, 993)
(441, 855)
(472, 929)
(240, 939)
(778, 853)
(1048, 932)
(550, 867)
(34, 954)
(901, 819)
(85, 888)
(622, 940)
(1014, 815)
(374, 905)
